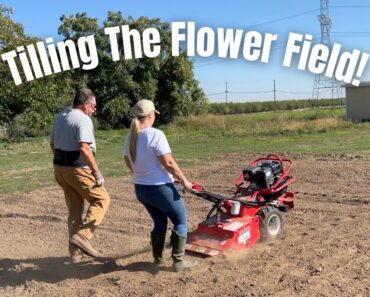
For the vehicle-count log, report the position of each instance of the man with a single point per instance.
(76, 171)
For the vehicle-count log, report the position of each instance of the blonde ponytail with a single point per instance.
(135, 130)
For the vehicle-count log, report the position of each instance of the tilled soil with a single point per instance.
(324, 249)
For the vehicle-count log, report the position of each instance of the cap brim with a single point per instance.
(156, 111)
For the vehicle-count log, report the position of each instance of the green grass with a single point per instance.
(198, 140)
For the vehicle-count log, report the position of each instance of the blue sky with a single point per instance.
(350, 28)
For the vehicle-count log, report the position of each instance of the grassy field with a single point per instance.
(198, 140)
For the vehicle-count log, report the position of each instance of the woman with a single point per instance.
(148, 155)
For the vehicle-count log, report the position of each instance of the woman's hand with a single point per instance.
(188, 185)
(171, 166)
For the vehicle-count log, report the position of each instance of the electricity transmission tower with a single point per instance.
(325, 87)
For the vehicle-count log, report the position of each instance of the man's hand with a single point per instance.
(99, 179)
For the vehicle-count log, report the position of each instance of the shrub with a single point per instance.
(115, 113)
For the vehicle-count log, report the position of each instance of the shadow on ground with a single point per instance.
(15, 272)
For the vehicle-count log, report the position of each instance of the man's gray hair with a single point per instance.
(83, 96)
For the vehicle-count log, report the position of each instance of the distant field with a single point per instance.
(198, 140)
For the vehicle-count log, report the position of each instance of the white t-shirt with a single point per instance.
(151, 144)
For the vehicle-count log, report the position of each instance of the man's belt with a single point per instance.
(68, 158)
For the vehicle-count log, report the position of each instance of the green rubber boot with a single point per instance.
(158, 241)
(178, 243)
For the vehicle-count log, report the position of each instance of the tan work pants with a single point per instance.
(79, 184)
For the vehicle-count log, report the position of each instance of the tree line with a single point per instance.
(29, 109)
(251, 107)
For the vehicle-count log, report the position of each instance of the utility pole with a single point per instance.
(325, 87)
(226, 91)
(274, 96)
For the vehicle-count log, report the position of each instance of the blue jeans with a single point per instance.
(162, 202)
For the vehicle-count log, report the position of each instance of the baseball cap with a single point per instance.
(143, 107)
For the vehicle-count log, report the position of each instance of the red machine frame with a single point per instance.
(239, 220)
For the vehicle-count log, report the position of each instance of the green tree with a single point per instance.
(28, 108)
(167, 80)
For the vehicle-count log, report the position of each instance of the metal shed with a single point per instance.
(358, 102)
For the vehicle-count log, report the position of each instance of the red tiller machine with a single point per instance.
(253, 212)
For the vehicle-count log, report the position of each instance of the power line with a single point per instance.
(259, 92)
(326, 24)
(350, 6)
(351, 34)
(276, 46)
(270, 22)
(219, 60)
(219, 93)
(297, 15)
(291, 92)
(284, 18)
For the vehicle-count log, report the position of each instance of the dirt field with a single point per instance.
(323, 251)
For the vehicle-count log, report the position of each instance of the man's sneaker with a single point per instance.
(76, 258)
(82, 242)
(75, 254)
